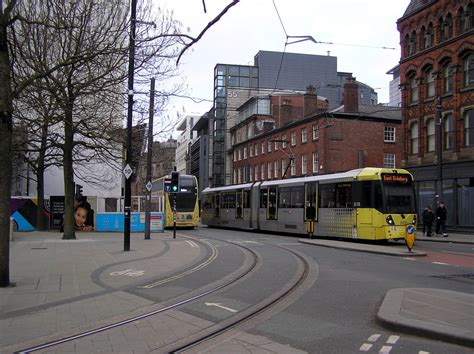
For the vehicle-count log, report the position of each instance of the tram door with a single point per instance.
(272, 203)
(239, 202)
(311, 202)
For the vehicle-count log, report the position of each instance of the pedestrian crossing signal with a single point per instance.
(174, 182)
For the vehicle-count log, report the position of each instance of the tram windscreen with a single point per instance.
(399, 193)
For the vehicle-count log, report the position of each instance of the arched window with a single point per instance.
(448, 131)
(430, 83)
(446, 27)
(412, 43)
(414, 138)
(406, 45)
(430, 135)
(469, 127)
(469, 70)
(466, 19)
(428, 37)
(448, 71)
(413, 88)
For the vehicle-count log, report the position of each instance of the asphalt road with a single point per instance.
(337, 313)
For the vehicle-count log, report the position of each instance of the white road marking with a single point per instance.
(243, 242)
(374, 337)
(409, 259)
(385, 349)
(393, 339)
(192, 243)
(423, 352)
(220, 306)
(365, 347)
(129, 272)
(441, 263)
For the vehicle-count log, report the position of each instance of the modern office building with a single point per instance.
(437, 78)
(271, 72)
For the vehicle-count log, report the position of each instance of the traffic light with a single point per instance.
(174, 182)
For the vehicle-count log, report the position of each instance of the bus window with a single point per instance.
(272, 203)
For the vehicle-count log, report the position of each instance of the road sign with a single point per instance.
(149, 186)
(167, 185)
(127, 171)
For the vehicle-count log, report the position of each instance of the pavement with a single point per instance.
(64, 287)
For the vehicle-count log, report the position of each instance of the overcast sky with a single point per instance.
(354, 26)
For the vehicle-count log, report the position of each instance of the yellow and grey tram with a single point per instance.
(368, 203)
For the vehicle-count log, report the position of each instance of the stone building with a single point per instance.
(437, 81)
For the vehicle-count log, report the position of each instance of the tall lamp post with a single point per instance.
(128, 156)
(439, 151)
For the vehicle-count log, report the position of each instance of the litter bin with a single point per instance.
(12, 228)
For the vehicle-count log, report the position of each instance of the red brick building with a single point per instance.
(351, 136)
(437, 81)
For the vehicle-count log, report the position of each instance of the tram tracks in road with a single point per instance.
(247, 318)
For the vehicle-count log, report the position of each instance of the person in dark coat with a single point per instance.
(428, 219)
(441, 215)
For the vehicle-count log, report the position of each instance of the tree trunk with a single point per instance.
(6, 126)
(40, 220)
(69, 224)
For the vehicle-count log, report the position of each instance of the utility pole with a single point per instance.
(128, 156)
(439, 150)
(149, 155)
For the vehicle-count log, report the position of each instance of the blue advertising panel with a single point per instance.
(114, 222)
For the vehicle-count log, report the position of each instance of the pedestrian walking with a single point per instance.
(428, 219)
(441, 215)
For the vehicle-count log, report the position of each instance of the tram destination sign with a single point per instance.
(396, 178)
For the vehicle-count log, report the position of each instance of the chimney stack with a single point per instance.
(310, 101)
(351, 96)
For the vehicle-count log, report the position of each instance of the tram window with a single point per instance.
(208, 201)
(285, 197)
(246, 199)
(344, 195)
(297, 197)
(378, 198)
(327, 195)
(365, 194)
(228, 200)
(263, 198)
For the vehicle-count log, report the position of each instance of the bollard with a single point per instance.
(12, 227)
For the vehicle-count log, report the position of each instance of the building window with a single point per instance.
(414, 138)
(446, 28)
(262, 171)
(239, 154)
(275, 169)
(430, 83)
(235, 155)
(293, 138)
(428, 37)
(293, 167)
(448, 131)
(251, 151)
(262, 150)
(283, 168)
(283, 144)
(389, 160)
(251, 174)
(315, 132)
(430, 135)
(256, 149)
(448, 78)
(304, 135)
(256, 172)
(275, 147)
(413, 89)
(315, 162)
(469, 127)
(466, 19)
(469, 70)
(412, 48)
(304, 162)
(269, 146)
(269, 170)
(245, 153)
(406, 45)
(389, 134)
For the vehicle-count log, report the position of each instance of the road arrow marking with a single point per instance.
(220, 306)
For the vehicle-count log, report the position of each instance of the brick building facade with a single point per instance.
(437, 81)
(348, 137)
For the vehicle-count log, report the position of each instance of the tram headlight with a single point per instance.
(389, 220)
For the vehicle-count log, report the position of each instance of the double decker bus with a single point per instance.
(187, 205)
